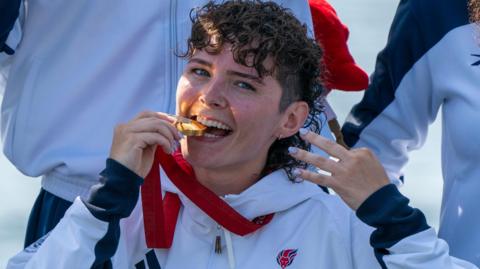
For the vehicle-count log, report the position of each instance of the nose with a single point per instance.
(213, 94)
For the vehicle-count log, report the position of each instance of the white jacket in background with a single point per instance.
(80, 68)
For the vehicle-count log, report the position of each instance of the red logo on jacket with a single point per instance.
(285, 257)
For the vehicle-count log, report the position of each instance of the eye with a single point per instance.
(245, 85)
(200, 72)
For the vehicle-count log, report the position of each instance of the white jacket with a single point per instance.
(80, 68)
(316, 229)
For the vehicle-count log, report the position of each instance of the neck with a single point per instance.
(232, 180)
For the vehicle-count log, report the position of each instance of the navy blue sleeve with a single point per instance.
(9, 12)
(112, 199)
(117, 193)
(388, 211)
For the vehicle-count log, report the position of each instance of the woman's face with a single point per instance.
(244, 108)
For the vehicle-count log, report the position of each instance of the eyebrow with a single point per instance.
(200, 61)
(247, 76)
(230, 72)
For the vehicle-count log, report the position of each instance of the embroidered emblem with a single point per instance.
(285, 257)
(477, 63)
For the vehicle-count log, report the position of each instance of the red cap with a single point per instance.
(342, 72)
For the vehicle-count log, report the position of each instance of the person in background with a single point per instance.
(430, 63)
(231, 197)
(74, 70)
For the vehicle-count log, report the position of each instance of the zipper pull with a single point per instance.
(218, 241)
(218, 245)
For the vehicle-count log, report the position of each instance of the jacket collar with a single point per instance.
(271, 194)
(241, 214)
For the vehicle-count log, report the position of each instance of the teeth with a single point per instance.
(210, 135)
(212, 123)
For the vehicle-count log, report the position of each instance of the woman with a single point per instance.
(237, 203)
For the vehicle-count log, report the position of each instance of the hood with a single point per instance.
(271, 194)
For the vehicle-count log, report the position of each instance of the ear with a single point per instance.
(293, 119)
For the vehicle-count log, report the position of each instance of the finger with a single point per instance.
(152, 114)
(145, 114)
(319, 179)
(171, 120)
(170, 128)
(144, 140)
(155, 125)
(328, 146)
(314, 159)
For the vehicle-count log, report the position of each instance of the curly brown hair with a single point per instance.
(256, 31)
(474, 9)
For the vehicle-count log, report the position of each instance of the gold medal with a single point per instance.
(189, 127)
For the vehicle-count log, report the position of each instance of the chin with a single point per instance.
(199, 158)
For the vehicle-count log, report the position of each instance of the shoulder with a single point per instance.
(323, 218)
(329, 209)
(332, 204)
(435, 16)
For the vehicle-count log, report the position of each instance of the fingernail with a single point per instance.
(303, 131)
(296, 172)
(292, 150)
(175, 146)
(298, 179)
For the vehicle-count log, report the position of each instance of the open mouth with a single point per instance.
(214, 128)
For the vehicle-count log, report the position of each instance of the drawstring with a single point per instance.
(228, 241)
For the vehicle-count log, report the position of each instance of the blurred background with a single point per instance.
(368, 21)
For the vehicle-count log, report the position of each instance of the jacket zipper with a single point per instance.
(218, 240)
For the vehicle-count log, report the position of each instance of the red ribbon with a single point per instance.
(160, 216)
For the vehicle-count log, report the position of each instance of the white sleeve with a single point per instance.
(393, 117)
(402, 239)
(90, 234)
(71, 244)
(423, 250)
(403, 124)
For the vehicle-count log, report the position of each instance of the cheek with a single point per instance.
(185, 95)
(257, 121)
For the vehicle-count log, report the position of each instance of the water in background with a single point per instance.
(368, 21)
